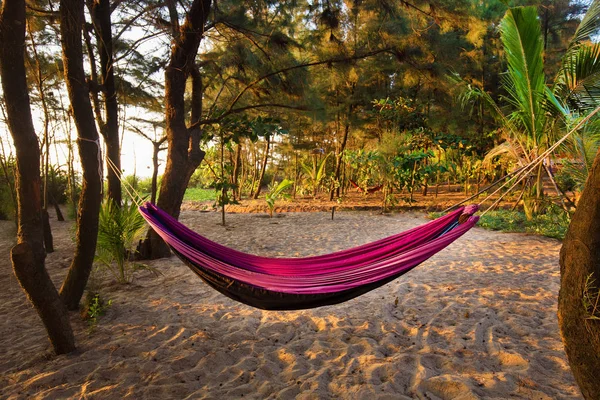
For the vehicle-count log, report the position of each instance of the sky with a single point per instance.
(136, 152)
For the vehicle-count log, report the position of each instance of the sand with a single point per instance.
(478, 320)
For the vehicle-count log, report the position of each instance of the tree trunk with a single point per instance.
(338, 161)
(39, 80)
(59, 214)
(28, 255)
(41, 292)
(236, 172)
(580, 261)
(154, 188)
(100, 12)
(71, 22)
(263, 168)
(184, 154)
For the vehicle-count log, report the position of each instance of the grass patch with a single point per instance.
(553, 223)
(199, 194)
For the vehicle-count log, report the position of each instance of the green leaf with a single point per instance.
(525, 80)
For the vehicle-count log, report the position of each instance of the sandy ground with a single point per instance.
(476, 321)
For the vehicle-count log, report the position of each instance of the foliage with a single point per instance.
(553, 223)
(199, 194)
(579, 152)
(7, 188)
(93, 308)
(221, 193)
(131, 181)
(58, 182)
(276, 192)
(536, 114)
(315, 173)
(120, 229)
(144, 185)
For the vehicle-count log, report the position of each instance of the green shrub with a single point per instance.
(277, 191)
(201, 178)
(145, 185)
(553, 223)
(566, 181)
(93, 308)
(504, 220)
(119, 230)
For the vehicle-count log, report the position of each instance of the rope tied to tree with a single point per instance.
(99, 153)
(135, 196)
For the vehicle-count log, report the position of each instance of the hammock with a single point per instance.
(301, 283)
(369, 190)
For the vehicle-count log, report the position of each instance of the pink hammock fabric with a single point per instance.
(344, 273)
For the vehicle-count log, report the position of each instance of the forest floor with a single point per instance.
(350, 201)
(478, 320)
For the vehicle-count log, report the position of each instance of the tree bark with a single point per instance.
(71, 13)
(338, 160)
(236, 172)
(100, 12)
(154, 188)
(580, 261)
(41, 292)
(184, 154)
(39, 81)
(29, 254)
(263, 168)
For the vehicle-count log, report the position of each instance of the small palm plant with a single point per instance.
(119, 230)
(315, 173)
(276, 192)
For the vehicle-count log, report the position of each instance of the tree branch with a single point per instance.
(246, 108)
(231, 109)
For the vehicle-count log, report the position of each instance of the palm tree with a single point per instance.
(535, 113)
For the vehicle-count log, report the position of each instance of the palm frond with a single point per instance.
(523, 45)
(589, 26)
(578, 82)
(508, 149)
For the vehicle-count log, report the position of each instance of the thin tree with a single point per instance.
(29, 254)
(39, 82)
(100, 10)
(156, 149)
(71, 22)
(263, 166)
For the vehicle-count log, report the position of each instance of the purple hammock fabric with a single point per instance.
(296, 283)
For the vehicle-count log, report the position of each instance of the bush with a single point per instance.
(201, 178)
(553, 223)
(145, 185)
(7, 187)
(58, 182)
(119, 230)
(566, 181)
